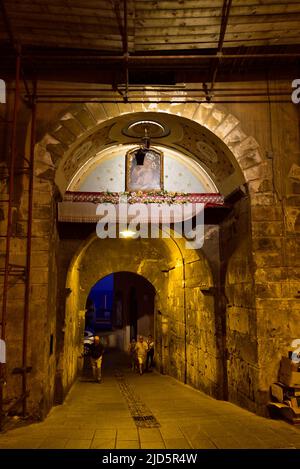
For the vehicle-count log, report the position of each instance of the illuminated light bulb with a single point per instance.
(127, 233)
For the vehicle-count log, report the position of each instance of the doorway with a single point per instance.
(119, 307)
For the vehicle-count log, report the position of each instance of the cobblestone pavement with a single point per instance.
(149, 412)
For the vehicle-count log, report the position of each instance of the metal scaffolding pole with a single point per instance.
(224, 21)
(28, 250)
(123, 28)
(158, 101)
(9, 227)
(136, 59)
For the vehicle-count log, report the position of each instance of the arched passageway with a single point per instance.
(182, 331)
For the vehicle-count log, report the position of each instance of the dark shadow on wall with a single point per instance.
(234, 299)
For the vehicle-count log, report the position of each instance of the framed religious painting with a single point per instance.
(144, 170)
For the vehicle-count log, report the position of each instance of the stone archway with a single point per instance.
(183, 312)
(77, 124)
(248, 221)
(264, 222)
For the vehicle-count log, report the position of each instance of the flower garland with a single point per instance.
(146, 197)
(157, 197)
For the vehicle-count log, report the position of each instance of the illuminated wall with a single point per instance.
(187, 347)
(106, 172)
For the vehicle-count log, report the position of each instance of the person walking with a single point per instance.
(96, 353)
(133, 355)
(141, 350)
(150, 352)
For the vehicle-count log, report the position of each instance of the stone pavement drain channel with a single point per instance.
(141, 415)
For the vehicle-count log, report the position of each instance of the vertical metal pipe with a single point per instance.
(9, 224)
(125, 31)
(28, 250)
(125, 50)
(224, 22)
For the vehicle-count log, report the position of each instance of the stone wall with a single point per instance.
(277, 247)
(193, 345)
(249, 319)
(42, 311)
(66, 251)
(129, 286)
